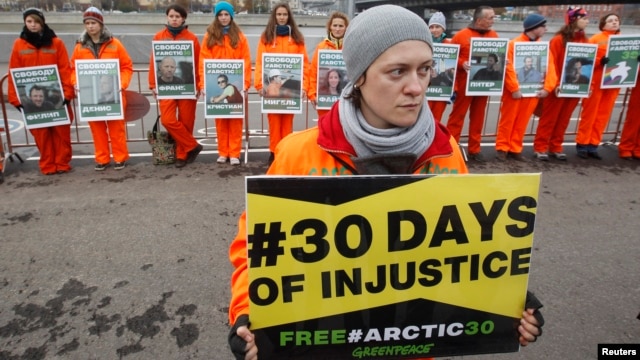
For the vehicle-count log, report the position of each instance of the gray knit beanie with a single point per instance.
(377, 29)
(438, 19)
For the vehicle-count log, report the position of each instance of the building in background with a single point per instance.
(629, 13)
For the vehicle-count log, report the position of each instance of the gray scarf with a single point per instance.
(369, 141)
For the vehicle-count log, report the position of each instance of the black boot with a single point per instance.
(583, 151)
(593, 152)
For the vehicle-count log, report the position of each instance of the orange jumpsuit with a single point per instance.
(280, 125)
(114, 130)
(54, 143)
(630, 138)
(438, 107)
(596, 109)
(475, 104)
(320, 145)
(312, 94)
(178, 115)
(515, 113)
(556, 112)
(229, 131)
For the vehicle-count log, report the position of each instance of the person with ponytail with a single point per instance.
(336, 27)
(178, 116)
(38, 45)
(224, 40)
(556, 111)
(281, 35)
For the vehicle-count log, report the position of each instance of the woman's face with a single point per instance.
(174, 19)
(282, 15)
(32, 24)
(334, 79)
(338, 27)
(92, 27)
(224, 17)
(582, 23)
(436, 30)
(396, 82)
(612, 23)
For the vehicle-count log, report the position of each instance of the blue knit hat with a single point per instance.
(533, 21)
(223, 5)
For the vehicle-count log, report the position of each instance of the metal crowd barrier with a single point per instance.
(139, 84)
(613, 128)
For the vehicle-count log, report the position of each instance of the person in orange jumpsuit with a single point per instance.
(336, 27)
(437, 27)
(596, 109)
(366, 132)
(39, 45)
(280, 36)
(556, 111)
(178, 115)
(516, 110)
(225, 40)
(483, 19)
(629, 147)
(97, 42)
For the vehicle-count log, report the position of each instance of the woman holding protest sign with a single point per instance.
(224, 40)
(177, 115)
(280, 36)
(437, 27)
(380, 125)
(596, 109)
(38, 45)
(556, 111)
(97, 42)
(336, 27)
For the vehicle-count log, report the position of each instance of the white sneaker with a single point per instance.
(541, 156)
(560, 156)
(222, 160)
(234, 161)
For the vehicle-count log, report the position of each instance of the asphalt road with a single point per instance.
(132, 264)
